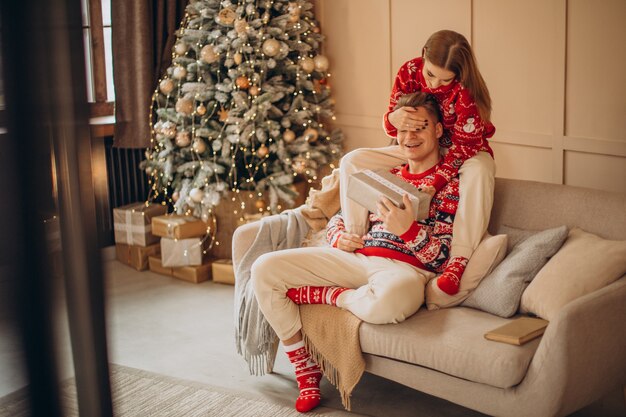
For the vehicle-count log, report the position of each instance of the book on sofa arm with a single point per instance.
(518, 331)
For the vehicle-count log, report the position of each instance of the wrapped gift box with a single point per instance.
(183, 252)
(223, 271)
(195, 274)
(136, 256)
(132, 223)
(175, 226)
(366, 187)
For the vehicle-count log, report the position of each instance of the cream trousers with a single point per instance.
(385, 290)
(476, 186)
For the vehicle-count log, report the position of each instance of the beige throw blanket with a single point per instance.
(331, 334)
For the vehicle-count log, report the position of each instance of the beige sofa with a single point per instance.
(581, 357)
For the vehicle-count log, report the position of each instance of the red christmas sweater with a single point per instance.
(426, 244)
(465, 133)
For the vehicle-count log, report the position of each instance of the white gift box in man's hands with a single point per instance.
(366, 187)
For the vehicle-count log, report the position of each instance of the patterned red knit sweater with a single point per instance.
(465, 133)
(426, 244)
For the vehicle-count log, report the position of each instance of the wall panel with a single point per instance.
(604, 172)
(596, 64)
(523, 162)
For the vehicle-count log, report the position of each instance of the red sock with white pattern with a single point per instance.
(308, 375)
(315, 295)
(450, 281)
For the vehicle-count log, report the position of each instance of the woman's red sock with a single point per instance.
(308, 375)
(450, 281)
(315, 295)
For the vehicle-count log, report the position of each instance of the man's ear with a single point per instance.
(439, 130)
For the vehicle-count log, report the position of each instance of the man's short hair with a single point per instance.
(421, 99)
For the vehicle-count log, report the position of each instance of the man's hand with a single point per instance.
(406, 118)
(349, 242)
(428, 189)
(395, 219)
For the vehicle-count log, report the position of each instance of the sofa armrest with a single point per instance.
(582, 354)
(243, 238)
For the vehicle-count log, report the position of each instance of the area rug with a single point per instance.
(140, 393)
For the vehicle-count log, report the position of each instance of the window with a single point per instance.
(98, 56)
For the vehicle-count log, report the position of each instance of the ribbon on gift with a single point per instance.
(376, 177)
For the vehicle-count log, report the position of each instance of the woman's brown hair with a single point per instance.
(451, 51)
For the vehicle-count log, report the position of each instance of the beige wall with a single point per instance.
(555, 70)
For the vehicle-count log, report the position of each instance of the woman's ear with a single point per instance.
(438, 130)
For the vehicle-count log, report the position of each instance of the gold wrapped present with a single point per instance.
(366, 187)
(223, 271)
(136, 256)
(183, 252)
(195, 274)
(175, 226)
(132, 223)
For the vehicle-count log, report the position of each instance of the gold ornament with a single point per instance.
(316, 29)
(271, 47)
(260, 204)
(208, 55)
(254, 90)
(201, 109)
(179, 73)
(180, 48)
(183, 139)
(266, 18)
(184, 106)
(237, 58)
(223, 114)
(311, 135)
(321, 63)
(289, 136)
(226, 16)
(307, 64)
(262, 151)
(198, 145)
(242, 82)
(166, 86)
(241, 27)
(175, 196)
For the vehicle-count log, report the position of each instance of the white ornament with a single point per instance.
(307, 64)
(469, 126)
(271, 47)
(184, 106)
(179, 73)
(321, 63)
(196, 195)
(208, 55)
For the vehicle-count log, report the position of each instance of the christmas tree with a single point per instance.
(244, 107)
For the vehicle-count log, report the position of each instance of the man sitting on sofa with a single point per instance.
(380, 277)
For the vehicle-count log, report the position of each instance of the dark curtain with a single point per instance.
(143, 36)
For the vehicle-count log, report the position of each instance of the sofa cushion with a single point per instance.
(500, 292)
(585, 263)
(485, 258)
(452, 341)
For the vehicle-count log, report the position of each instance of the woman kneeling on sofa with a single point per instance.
(379, 277)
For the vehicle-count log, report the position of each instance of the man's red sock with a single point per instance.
(450, 281)
(308, 375)
(315, 295)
